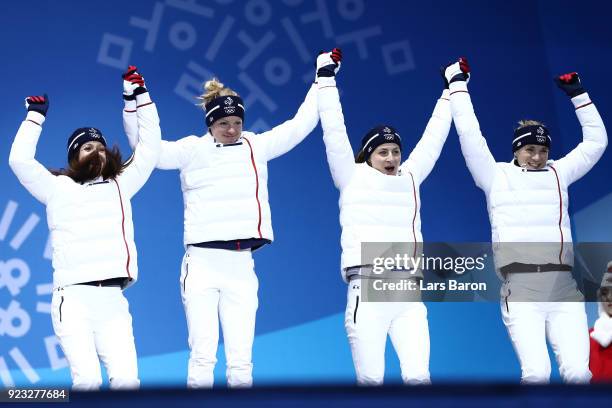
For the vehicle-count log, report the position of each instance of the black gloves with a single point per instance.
(570, 84)
(38, 104)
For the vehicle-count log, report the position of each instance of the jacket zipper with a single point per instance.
(560, 214)
(256, 188)
(127, 249)
(416, 208)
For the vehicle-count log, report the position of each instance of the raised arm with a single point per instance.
(130, 118)
(337, 146)
(284, 137)
(474, 147)
(32, 175)
(425, 154)
(173, 155)
(147, 147)
(594, 137)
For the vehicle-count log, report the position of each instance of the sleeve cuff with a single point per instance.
(35, 117)
(129, 106)
(143, 99)
(581, 100)
(325, 82)
(457, 86)
(445, 94)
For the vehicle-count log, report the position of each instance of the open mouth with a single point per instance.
(389, 169)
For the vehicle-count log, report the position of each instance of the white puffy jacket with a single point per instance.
(528, 206)
(92, 234)
(375, 207)
(225, 187)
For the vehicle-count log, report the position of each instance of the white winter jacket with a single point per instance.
(92, 234)
(225, 187)
(528, 206)
(375, 207)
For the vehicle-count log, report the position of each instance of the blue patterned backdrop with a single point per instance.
(265, 49)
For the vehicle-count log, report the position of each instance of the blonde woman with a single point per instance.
(224, 178)
(527, 199)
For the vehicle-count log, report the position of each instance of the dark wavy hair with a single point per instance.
(360, 157)
(91, 167)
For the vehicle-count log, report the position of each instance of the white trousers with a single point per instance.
(219, 285)
(529, 324)
(92, 324)
(367, 325)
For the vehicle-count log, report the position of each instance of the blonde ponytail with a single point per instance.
(213, 88)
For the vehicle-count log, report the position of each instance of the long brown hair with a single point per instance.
(360, 157)
(90, 167)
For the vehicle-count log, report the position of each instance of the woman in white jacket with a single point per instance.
(527, 200)
(224, 178)
(90, 219)
(380, 202)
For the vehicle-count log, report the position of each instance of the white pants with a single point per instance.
(529, 324)
(367, 325)
(93, 322)
(219, 284)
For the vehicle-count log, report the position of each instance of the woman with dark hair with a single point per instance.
(527, 200)
(380, 202)
(90, 219)
(84, 166)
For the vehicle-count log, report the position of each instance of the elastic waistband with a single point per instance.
(357, 271)
(235, 244)
(517, 267)
(119, 282)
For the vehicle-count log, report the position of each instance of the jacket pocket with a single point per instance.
(186, 275)
(506, 300)
(60, 308)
